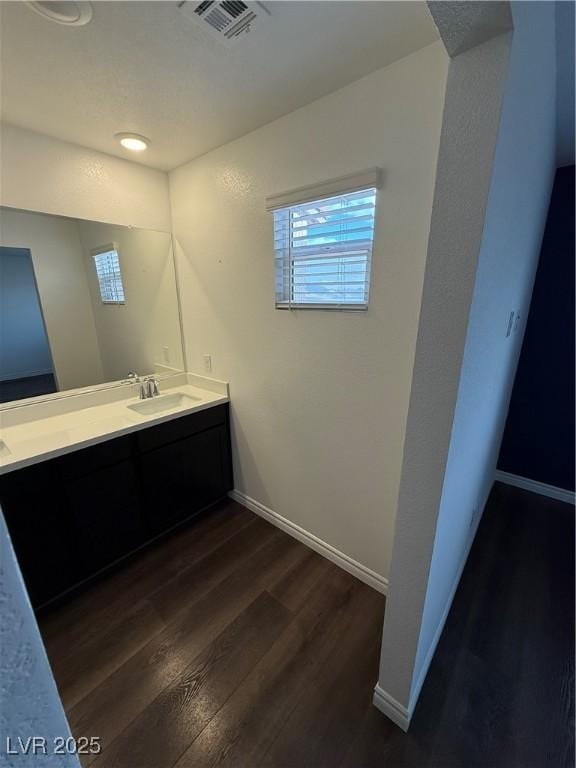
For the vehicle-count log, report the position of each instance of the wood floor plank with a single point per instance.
(81, 669)
(499, 693)
(331, 707)
(191, 583)
(85, 664)
(294, 587)
(242, 731)
(114, 704)
(107, 600)
(380, 743)
(186, 706)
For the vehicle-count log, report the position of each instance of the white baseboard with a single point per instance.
(391, 708)
(560, 494)
(373, 579)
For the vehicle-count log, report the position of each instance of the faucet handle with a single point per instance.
(152, 387)
(133, 378)
(149, 388)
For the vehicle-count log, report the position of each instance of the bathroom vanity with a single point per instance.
(97, 461)
(81, 489)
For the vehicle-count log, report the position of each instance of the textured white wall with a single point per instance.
(29, 701)
(24, 349)
(493, 183)
(469, 132)
(520, 190)
(319, 399)
(40, 173)
(132, 336)
(64, 294)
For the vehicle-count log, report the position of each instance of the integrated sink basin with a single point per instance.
(163, 403)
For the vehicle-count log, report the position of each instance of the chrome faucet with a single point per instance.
(149, 388)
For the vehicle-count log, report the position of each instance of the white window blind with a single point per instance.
(107, 264)
(323, 251)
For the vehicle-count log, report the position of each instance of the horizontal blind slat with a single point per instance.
(347, 212)
(328, 252)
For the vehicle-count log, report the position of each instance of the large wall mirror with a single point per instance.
(83, 303)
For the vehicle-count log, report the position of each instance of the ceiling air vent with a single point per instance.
(228, 21)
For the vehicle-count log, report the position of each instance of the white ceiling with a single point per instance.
(143, 67)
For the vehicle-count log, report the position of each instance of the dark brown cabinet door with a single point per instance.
(205, 466)
(40, 529)
(105, 514)
(181, 478)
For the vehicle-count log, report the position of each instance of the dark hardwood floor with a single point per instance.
(231, 644)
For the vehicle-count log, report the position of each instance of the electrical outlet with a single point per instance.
(207, 363)
(166, 353)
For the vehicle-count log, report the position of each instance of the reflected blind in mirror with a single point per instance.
(107, 263)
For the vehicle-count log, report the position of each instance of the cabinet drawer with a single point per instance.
(181, 428)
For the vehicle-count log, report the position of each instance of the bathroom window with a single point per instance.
(323, 250)
(107, 264)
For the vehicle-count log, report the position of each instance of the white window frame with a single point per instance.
(115, 276)
(288, 207)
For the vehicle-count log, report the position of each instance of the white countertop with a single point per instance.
(34, 432)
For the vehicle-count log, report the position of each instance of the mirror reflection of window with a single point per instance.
(108, 298)
(107, 263)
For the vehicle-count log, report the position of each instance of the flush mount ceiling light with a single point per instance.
(133, 141)
(68, 12)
